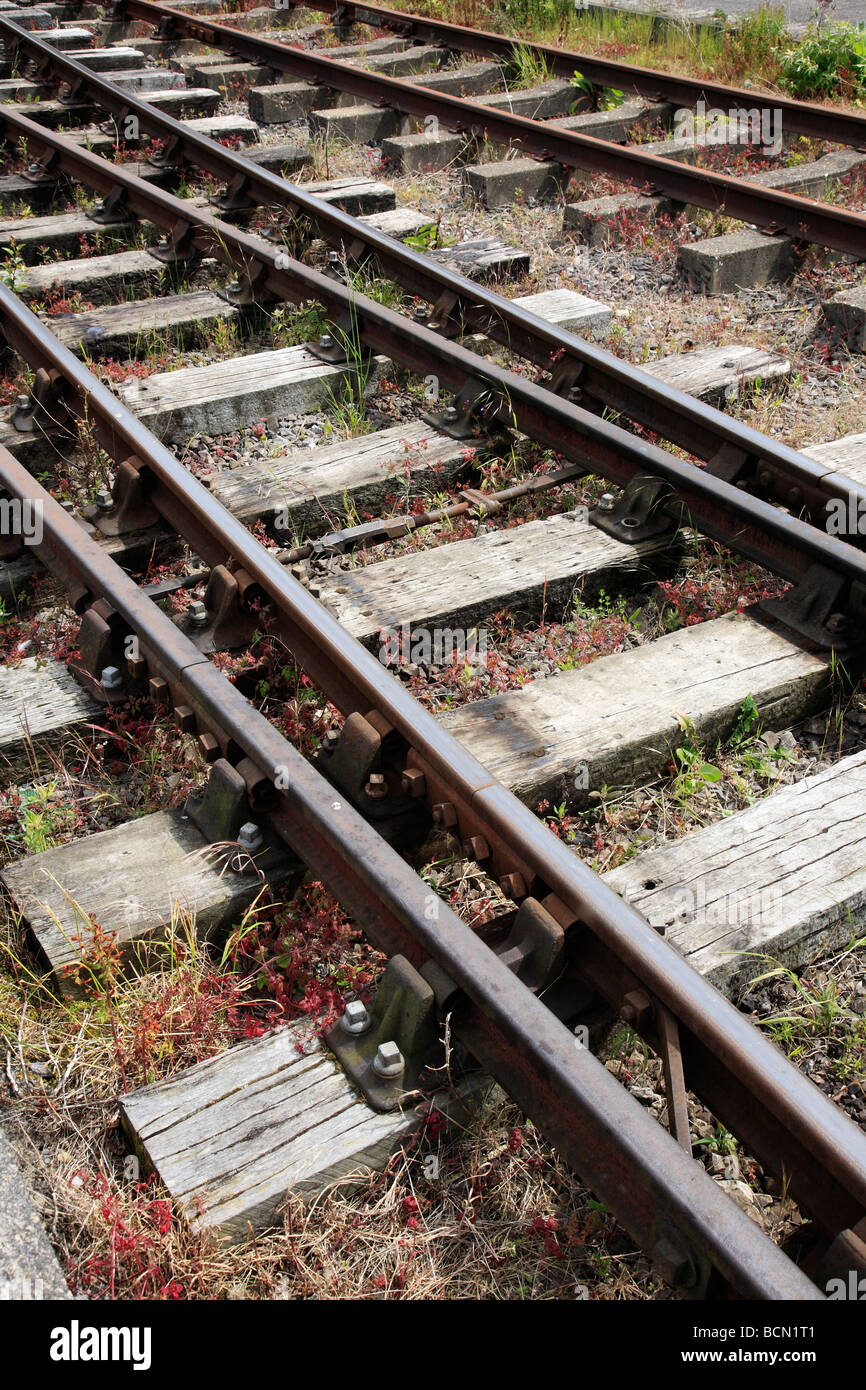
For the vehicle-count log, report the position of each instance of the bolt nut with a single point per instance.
(513, 886)
(326, 341)
(450, 413)
(250, 837)
(355, 1019)
(477, 848)
(104, 499)
(606, 502)
(330, 741)
(111, 678)
(674, 1265)
(209, 747)
(197, 613)
(444, 814)
(23, 402)
(636, 1009)
(837, 622)
(376, 787)
(388, 1060)
(413, 782)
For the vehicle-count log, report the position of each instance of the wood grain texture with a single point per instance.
(38, 700)
(619, 715)
(222, 396)
(231, 1136)
(785, 877)
(134, 880)
(709, 372)
(128, 328)
(318, 488)
(540, 564)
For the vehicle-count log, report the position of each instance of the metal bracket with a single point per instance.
(565, 378)
(41, 172)
(825, 608)
(354, 761)
(43, 408)
(73, 92)
(477, 409)
(641, 514)
(131, 510)
(386, 1051)
(731, 464)
(675, 1086)
(179, 247)
(334, 348)
(236, 198)
(167, 28)
(113, 208)
(232, 624)
(223, 815)
(220, 811)
(249, 290)
(101, 628)
(534, 949)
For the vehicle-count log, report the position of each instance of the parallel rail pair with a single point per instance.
(803, 218)
(665, 1200)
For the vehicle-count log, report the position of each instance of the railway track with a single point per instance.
(393, 769)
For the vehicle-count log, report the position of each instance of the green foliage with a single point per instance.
(829, 62)
(529, 67)
(13, 272)
(538, 12)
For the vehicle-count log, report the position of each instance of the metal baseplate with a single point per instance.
(825, 609)
(223, 815)
(395, 1049)
(363, 760)
(477, 409)
(646, 511)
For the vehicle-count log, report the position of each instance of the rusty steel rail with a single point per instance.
(800, 117)
(661, 1195)
(777, 1113)
(837, 228)
(755, 529)
(598, 378)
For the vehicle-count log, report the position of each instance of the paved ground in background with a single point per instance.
(797, 11)
(28, 1266)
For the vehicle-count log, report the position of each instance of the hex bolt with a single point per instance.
(476, 847)
(326, 341)
(513, 886)
(104, 500)
(445, 814)
(388, 1060)
(674, 1264)
(376, 787)
(209, 747)
(250, 837)
(111, 678)
(413, 782)
(636, 1009)
(606, 502)
(23, 402)
(330, 741)
(450, 413)
(765, 477)
(197, 613)
(355, 1019)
